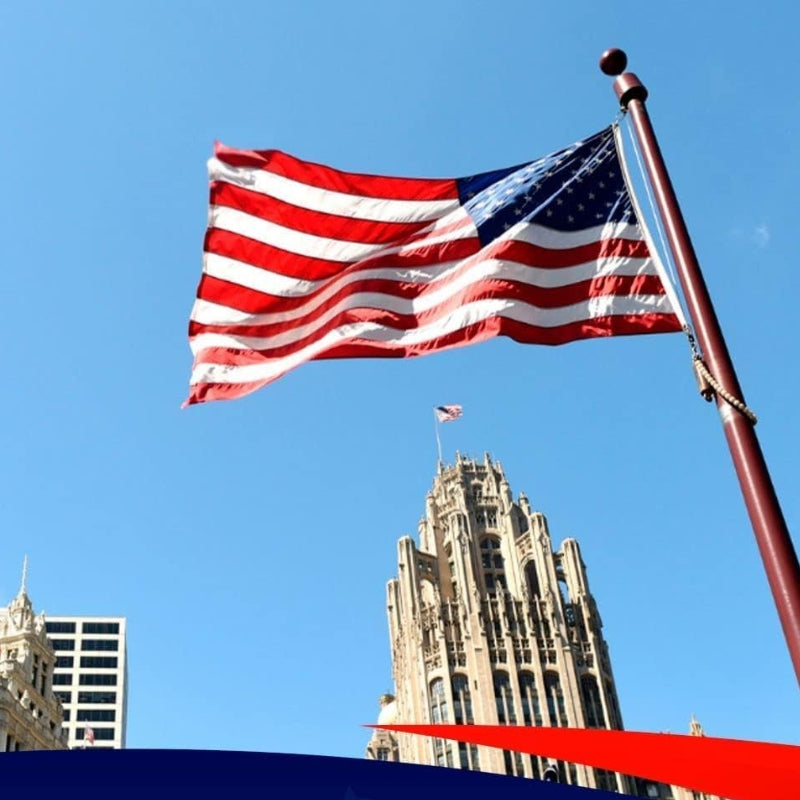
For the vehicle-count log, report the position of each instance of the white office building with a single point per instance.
(91, 678)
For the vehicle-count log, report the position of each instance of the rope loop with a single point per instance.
(709, 386)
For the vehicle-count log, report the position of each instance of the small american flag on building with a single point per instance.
(448, 413)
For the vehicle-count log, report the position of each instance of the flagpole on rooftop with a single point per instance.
(438, 439)
(766, 517)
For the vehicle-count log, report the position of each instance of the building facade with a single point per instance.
(91, 677)
(31, 715)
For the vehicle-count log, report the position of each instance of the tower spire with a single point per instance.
(24, 585)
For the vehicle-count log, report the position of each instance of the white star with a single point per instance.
(571, 218)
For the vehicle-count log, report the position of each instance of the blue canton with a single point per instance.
(576, 188)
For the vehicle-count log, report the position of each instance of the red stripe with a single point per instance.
(554, 258)
(733, 768)
(621, 325)
(399, 322)
(316, 223)
(485, 289)
(336, 180)
(265, 256)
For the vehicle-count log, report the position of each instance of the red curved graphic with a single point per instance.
(729, 768)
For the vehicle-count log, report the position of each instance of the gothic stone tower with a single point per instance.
(490, 626)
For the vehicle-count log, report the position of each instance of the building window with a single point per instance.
(100, 627)
(607, 781)
(504, 699)
(438, 701)
(64, 661)
(555, 700)
(63, 644)
(59, 627)
(62, 680)
(100, 644)
(97, 679)
(99, 662)
(531, 711)
(66, 714)
(468, 757)
(462, 702)
(532, 579)
(97, 697)
(493, 568)
(592, 702)
(383, 754)
(96, 715)
(64, 697)
(439, 713)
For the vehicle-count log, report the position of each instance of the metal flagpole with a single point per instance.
(766, 517)
(438, 440)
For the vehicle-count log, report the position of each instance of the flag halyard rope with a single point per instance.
(708, 385)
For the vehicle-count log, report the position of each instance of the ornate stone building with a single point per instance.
(490, 625)
(31, 716)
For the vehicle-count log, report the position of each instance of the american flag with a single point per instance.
(305, 262)
(448, 413)
(88, 736)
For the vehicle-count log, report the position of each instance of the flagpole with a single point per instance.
(438, 440)
(766, 517)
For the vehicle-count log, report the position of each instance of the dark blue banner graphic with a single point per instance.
(218, 774)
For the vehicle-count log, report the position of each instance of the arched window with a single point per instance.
(555, 700)
(438, 708)
(592, 702)
(532, 579)
(531, 710)
(504, 699)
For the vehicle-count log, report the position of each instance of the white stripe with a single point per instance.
(307, 244)
(327, 201)
(480, 269)
(263, 280)
(542, 317)
(461, 317)
(554, 239)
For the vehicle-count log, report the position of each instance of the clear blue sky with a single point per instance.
(249, 542)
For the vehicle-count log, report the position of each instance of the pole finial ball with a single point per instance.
(613, 61)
